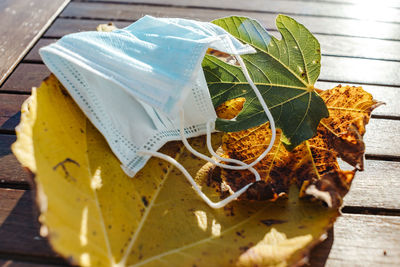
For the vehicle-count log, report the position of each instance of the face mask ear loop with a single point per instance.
(265, 107)
(263, 104)
(243, 166)
(213, 205)
(213, 153)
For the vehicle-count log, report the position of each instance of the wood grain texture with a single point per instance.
(22, 23)
(19, 263)
(62, 26)
(366, 11)
(10, 105)
(386, 94)
(381, 138)
(386, 3)
(356, 70)
(382, 3)
(378, 186)
(25, 77)
(11, 172)
(33, 54)
(358, 47)
(353, 238)
(360, 240)
(331, 26)
(19, 226)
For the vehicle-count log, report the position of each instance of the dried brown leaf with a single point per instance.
(313, 165)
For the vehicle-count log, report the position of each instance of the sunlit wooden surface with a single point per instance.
(360, 42)
(22, 24)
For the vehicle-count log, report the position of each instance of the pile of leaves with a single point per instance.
(93, 214)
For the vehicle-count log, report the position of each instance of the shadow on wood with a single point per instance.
(319, 255)
(19, 230)
(11, 123)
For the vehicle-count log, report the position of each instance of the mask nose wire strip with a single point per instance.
(214, 205)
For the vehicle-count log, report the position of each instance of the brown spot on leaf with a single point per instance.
(270, 222)
(145, 201)
(243, 248)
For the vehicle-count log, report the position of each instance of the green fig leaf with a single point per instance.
(283, 70)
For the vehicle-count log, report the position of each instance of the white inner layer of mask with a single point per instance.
(241, 164)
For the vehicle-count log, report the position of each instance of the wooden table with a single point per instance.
(360, 44)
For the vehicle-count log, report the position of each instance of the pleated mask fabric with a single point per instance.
(132, 82)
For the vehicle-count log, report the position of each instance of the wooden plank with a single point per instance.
(355, 237)
(227, 3)
(33, 55)
(11, 172)
(17, 263)
(385, 3)
(16, 38)
(330, 26)
(360, 240)
(25, 77)
(324, 9)
(356, 70)
(378, 186)
(19, 227)
(359, 47)
(10, 105)
(388, 95)
(380, 138)
(62, 26)
(330, 45)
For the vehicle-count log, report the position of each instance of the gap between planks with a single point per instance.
(21, 260)
(311, 9)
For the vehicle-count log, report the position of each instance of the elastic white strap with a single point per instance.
(213, 205)
(243, 166)
(267, 112)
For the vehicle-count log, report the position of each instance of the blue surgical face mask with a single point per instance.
(143, 85)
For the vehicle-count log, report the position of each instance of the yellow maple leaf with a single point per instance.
(94, 215)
